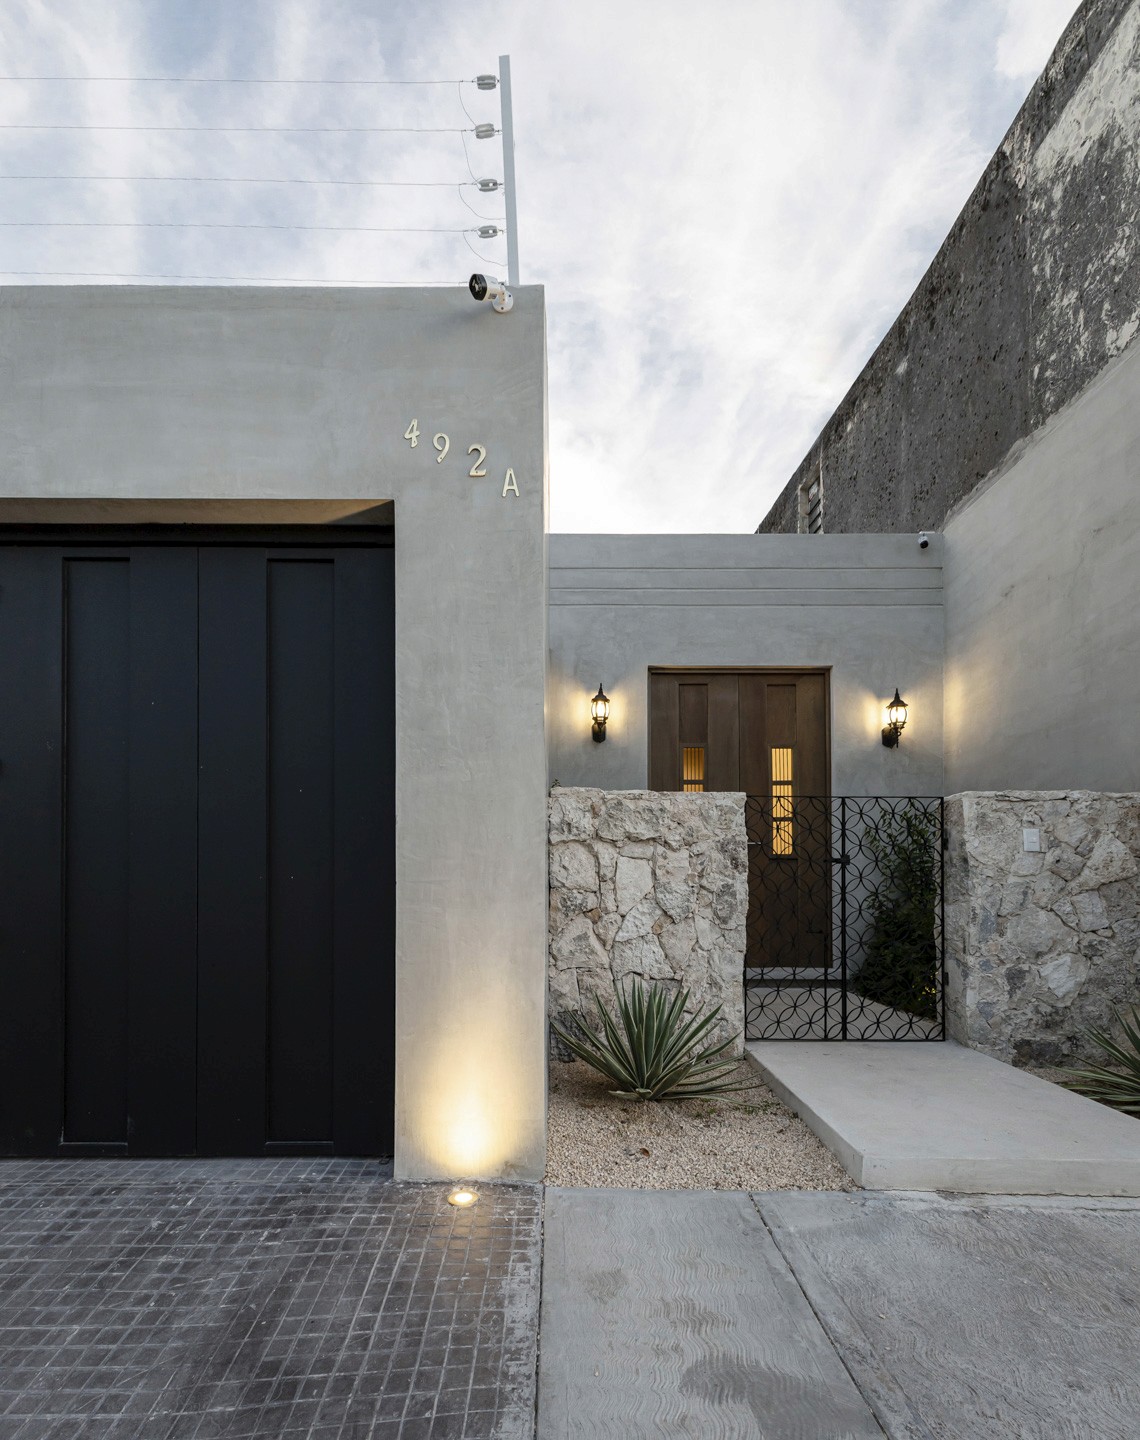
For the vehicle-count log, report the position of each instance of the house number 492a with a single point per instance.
(441, 443)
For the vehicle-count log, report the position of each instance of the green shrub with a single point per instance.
(654, 1053)
(901, 968)
(1118, 1087)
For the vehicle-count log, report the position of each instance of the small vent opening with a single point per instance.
(811, 506)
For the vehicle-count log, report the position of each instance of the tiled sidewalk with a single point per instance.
(262, 1299)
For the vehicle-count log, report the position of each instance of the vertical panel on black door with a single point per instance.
(31, 935)
(365, 860)
(231, 851)
(300, 714)
(162, 928)
(96, 847)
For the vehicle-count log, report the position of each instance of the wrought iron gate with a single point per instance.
(845, 918)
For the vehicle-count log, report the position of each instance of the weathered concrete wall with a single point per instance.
(1041, 945)
(866, 607)
(1042, 586)
(244, 394)
(648, 885)
(1035, 289)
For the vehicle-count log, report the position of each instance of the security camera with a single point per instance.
(484, 287)
(923, 540)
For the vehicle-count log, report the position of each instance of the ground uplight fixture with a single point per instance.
(600, 713)
(463, 1197)
(896, 721)
(486, 287)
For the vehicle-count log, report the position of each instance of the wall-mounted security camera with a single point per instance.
(923, 540)
(484, 287)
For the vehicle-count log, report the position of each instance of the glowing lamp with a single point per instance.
(463, 1198)
(600, 713)
(896, 721)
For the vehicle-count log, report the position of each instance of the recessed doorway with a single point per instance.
(763, 732)
(197, 843)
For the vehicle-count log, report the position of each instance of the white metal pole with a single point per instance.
(508, 128)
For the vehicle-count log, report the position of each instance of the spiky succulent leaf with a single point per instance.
(1116, 1084)
(650, 1050)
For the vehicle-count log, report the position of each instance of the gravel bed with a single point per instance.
(745, 1141)
(1056, 1074)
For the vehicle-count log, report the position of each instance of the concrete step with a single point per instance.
(913, 1115)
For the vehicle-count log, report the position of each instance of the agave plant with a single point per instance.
(655, 1053)
(1118, 1084)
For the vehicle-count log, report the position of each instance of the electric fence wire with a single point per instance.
(229, 225)
(486, 259)
(259, 279)
(215, 80)
(248, 180)
(252, 129)
(245, 180)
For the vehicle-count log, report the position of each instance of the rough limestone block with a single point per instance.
(573, 866)
(648, 884)
(633, 881)
(1039, 948)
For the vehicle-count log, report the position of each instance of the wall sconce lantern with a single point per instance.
(896, 721)
(600, 712)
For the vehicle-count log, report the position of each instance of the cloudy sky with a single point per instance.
(727, 203)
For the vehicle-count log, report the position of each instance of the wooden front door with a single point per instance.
(763, 732)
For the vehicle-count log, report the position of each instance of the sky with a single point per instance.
(728, 204)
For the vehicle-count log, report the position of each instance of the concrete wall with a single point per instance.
(291, 394)
(1035, 290)
(1041, 944)
(868, 607)
(1042, 588)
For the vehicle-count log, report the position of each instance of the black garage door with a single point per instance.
(197, 878)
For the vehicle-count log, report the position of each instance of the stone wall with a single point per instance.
(1033, 292)
(648, 884)
(1039, 946)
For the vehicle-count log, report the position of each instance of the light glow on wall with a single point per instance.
(479, 1106)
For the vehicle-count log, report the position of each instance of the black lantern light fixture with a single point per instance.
(600, 713)
(896, 721)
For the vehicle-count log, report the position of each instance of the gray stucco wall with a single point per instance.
(1042, 586)
(869, 607)
(1035, 289)
(254, 394)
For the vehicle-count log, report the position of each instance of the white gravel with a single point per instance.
(745, 1141)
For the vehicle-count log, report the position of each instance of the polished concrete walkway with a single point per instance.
(672, 1313)
(936, 1116)
(975, 1318)
(825, 1316)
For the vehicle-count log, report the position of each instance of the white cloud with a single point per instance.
(727, 206)
(1031, 30)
